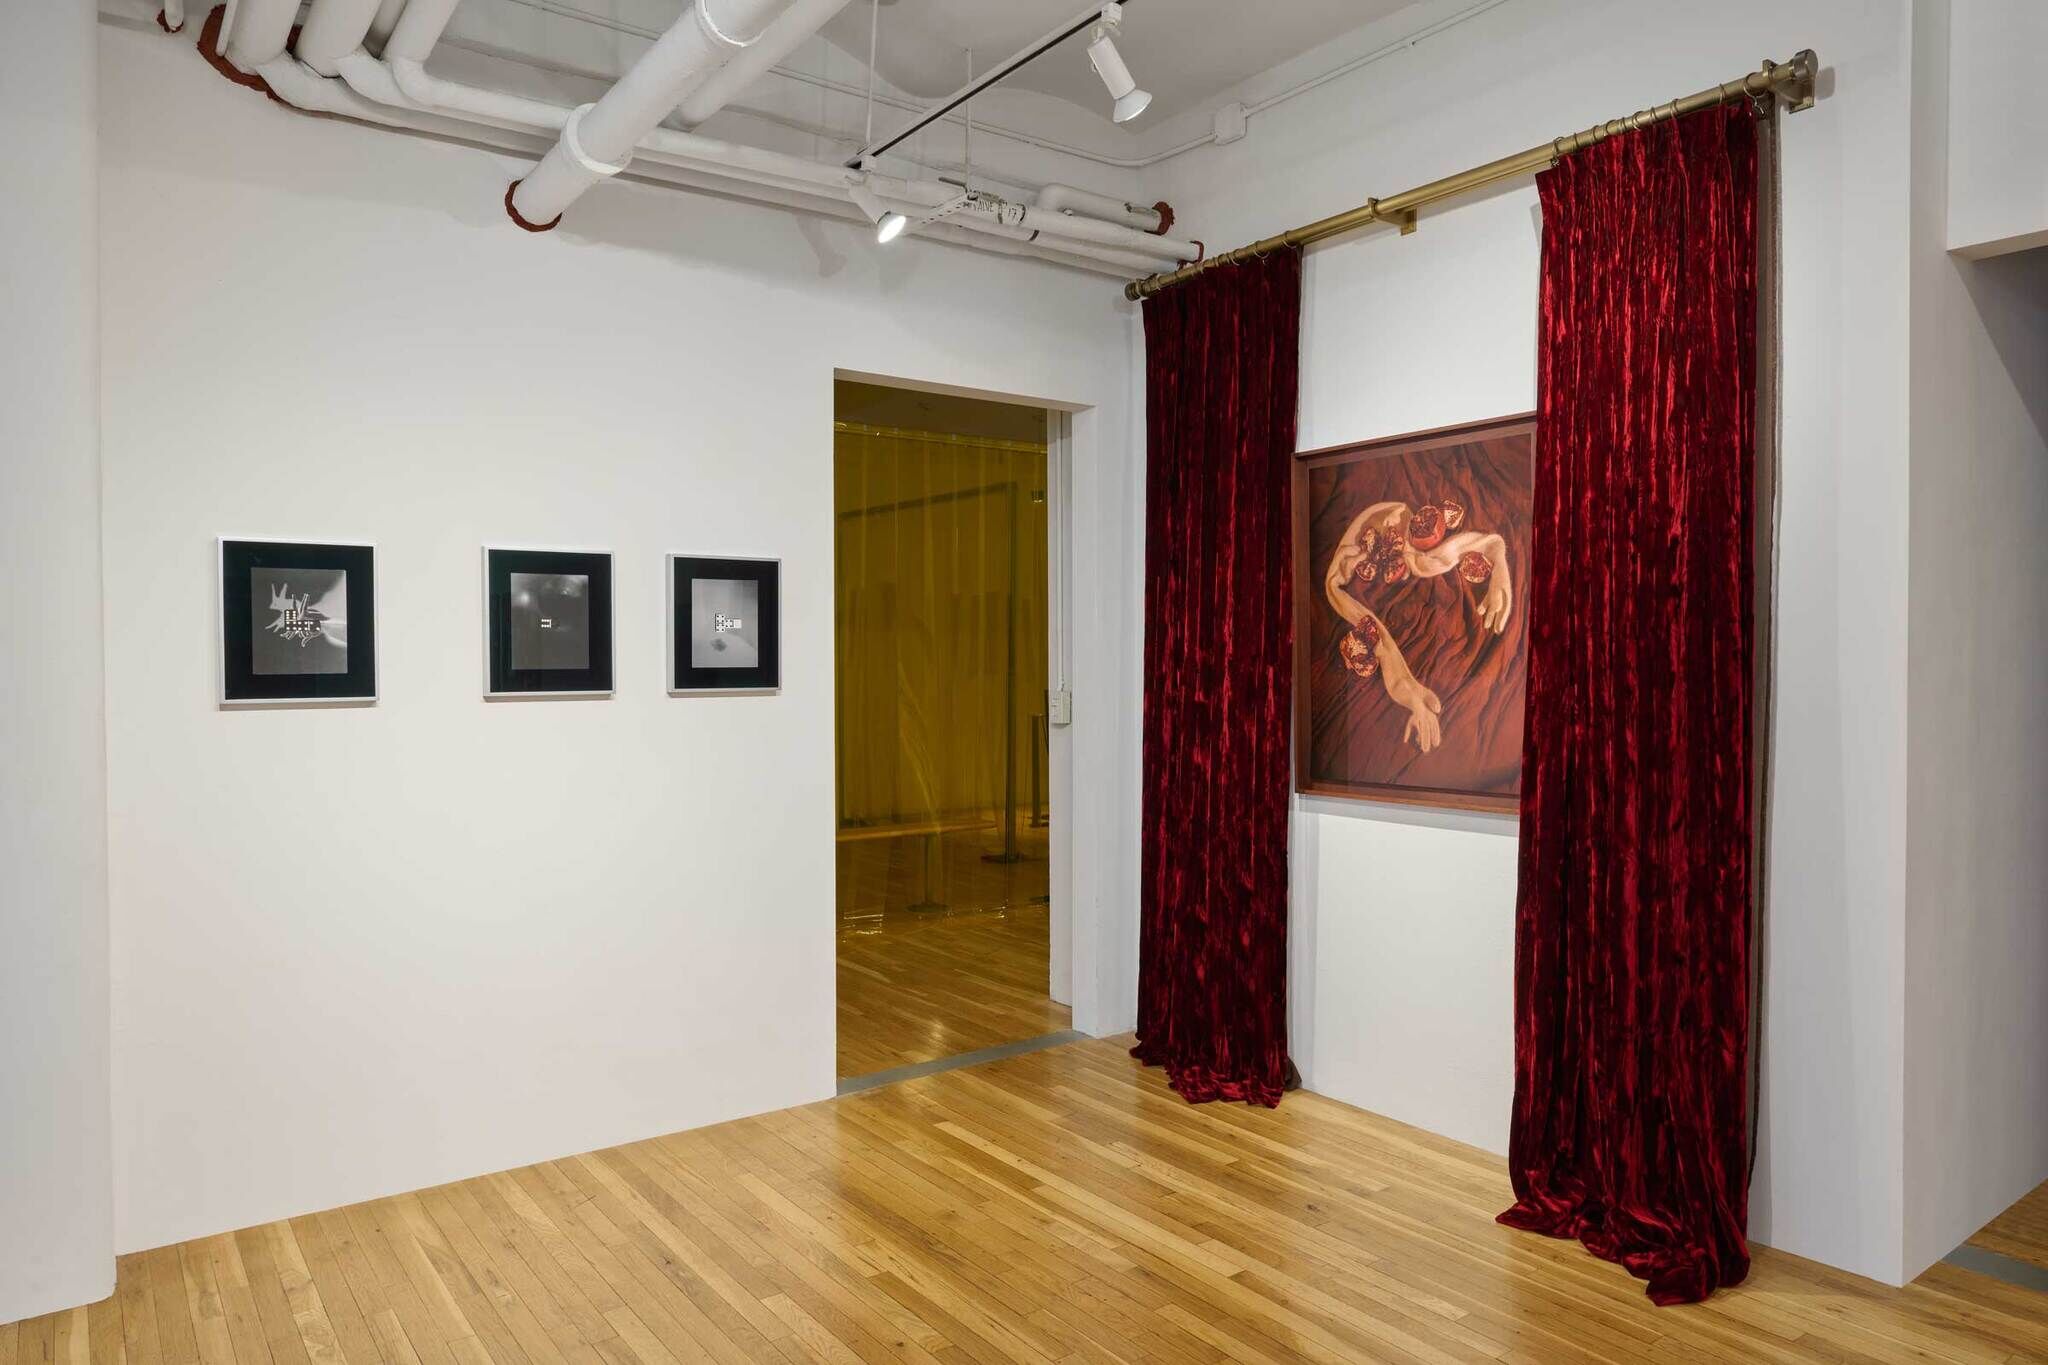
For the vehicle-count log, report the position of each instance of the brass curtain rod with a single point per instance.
(1792, 81)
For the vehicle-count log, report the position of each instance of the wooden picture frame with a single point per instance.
(1449, 598)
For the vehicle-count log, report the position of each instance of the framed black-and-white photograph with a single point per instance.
(298, 622)
(547, 623)
(724, 625)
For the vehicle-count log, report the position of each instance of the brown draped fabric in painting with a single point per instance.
(1632, 953)
(1221, 353)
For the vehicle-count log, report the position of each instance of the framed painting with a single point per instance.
(724, 625)
(547, 623)
(298, 622)
(1411, 636)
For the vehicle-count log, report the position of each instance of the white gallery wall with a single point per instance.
(56, 1246)
(1977, 641)
(1403, 920)
(362, 950)
(1997, 178)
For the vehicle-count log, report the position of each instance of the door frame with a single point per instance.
(1093, 508)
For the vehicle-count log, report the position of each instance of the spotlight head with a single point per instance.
(1116, 77)
(889, 224)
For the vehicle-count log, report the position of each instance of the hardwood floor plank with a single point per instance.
(303, 1243)
(135, 1299)
(36, 1341)
(203, 1304)
(71, 1343)
(266, 1293)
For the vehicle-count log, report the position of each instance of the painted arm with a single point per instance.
(1499, 602)
(1406, 690)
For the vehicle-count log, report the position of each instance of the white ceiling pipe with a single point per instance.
(796, 26)
(386, 20)
(418, 29)
(421, 27)
(805, 185)
(333, 29)
(822, 189)
(403, 82)
(372, 80)
(415, 86)
(824, 204)
(1057, 224)
(911, 197)
(985, 231)
(916, 198)
(301, 86)
(759, 166)
(1073, 199)
(700, 148)
(599, 139)
(976, 215)
(774, 170)
(669, 168)
(261, 29)
(1109, 234)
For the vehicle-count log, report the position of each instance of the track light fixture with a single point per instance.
(1109, 64)
(889, 224)
(896, 224)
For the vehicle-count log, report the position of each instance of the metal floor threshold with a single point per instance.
(2011, 1269)
(853, 1085)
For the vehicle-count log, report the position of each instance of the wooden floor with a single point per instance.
(915, 986)
(2021, 1232)
(1061, 1207)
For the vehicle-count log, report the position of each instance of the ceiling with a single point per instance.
(1183, 51)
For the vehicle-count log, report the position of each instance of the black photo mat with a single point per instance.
(725, 625)
(298, 622)
(548, 622)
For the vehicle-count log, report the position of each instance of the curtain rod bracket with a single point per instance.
(1798, 91)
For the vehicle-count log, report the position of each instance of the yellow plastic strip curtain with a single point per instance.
(941, 648)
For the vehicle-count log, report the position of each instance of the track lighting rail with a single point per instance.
(1024, 57)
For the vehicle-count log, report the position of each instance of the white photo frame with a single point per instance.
(764, 677)
(504, 680)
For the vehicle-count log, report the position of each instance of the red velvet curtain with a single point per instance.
(1630, 1122)
(1220, 357)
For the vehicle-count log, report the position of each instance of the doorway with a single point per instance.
(942, 592)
